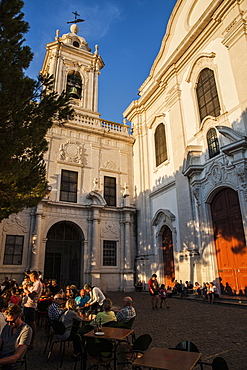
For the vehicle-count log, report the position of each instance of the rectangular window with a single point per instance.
(109, 253)
(68, 191)
(13, 250)
(110, 190)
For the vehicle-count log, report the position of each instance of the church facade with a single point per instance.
(83, 231)
(168, 199)
(190, 130)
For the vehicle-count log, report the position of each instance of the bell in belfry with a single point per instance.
(73, 92)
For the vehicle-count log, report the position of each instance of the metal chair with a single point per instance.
(189, 347)
(140, 345)
(59, 329)
(218, 364)
(99, 352)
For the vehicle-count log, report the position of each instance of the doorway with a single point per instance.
(63, 253)
(230, 243)
(168, 258)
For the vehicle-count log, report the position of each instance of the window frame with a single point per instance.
(207, 95)
(14, 246)
(160, 144)
(109, 257)
(69, 185)
(111, 199)
(213, 145)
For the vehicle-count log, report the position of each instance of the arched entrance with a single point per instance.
(63, 253)
(230, 243)
(167, 247)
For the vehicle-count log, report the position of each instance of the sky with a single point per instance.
(128, 32)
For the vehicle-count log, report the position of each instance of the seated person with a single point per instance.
(127, 312)
(106, 315)
(197, 289)
(69, 318)
(14, 298)
(55, 310)
(139, 286)
(54, 287)
(15, 337)
(82, 299)
(3, 308)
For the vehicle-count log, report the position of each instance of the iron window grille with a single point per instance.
(109, 253)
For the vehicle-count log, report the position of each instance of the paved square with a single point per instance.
(217, 330)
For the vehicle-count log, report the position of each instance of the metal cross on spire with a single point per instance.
(76, 20)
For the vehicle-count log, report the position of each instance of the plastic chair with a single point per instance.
(140, 345)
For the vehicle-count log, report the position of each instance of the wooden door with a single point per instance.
(167, 247)
(230, 244)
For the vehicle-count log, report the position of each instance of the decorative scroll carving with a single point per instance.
(109, 230)
(110, 165)
(217, 174)
(14, 222)
(72, 151)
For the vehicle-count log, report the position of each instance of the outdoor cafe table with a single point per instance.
(114, 334)
(168, 359)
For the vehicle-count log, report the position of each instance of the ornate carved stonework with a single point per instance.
(72, 151)
(216, 174)
(110, 165)
(15, 222)
(109, 230)
(242, 175)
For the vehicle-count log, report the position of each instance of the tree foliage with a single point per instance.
(28, 108)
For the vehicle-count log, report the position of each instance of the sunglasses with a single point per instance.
(11, 321)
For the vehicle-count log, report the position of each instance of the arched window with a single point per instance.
(207, 95)
(74, 84)
(160, 144)
(213, 143)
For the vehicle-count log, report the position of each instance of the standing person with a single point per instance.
(154, 291)
(96, 297)
(33, 294)
(162, 294)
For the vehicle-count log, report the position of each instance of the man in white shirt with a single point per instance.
(33, 294)
(96, 298)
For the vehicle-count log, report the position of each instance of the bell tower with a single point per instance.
(75, 69)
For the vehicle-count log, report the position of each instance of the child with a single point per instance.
(162, 294)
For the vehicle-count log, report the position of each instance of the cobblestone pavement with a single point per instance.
(217, 330)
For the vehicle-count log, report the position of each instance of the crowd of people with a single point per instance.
(19, 306)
